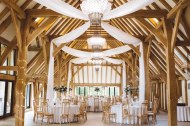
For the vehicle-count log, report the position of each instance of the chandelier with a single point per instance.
(95, 9)
(96, 42)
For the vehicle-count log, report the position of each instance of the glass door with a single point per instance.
(2, 97)
(9, 97)
(6, 98)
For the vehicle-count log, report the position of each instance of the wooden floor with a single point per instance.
(94, 119)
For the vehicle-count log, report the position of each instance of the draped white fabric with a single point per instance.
(69, 77)
(124, 79)
(50, 76)
(76, 53)
(71, 35)
(119, 34)
(107, 53)
(63, 8)
(127, 8)
(141, 76)
(116, 51)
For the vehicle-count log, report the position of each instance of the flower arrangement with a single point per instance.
(97, 89)
(60, 89)
(130, 89)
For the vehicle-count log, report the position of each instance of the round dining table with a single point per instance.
(183, 113)
(134, 110)
(57, 110)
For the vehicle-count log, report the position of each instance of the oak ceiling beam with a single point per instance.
(162, 72)
(17, 29)
(15, 7)
(43, 13)
(9, 68)
(176, 28)
(34, 48)
(40, 29)
(7, 51)
(157, 33)
(181, 5)
(183, 43)
(147, 14)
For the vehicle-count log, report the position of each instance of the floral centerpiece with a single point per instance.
(97, 89)
(130, 89)
(62, 90)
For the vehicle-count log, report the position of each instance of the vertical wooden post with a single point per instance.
(35, 87)
(171, 35)
(146, 53)
(134, 70)
(21, 33)
(186, 92)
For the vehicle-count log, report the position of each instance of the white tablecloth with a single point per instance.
(134, 110)
(91, 104)
(183, 113)
(57, 111)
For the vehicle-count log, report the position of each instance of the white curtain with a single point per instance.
(124, 79)
(119, 34)
(141, 76)
(63, 8)
(72, 35)
(50, 82)
(127, 8)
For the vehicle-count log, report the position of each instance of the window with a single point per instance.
(28, 96)
(10, 61)
(6, 98)
(90, 90)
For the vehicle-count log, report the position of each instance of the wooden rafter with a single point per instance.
(16, 8)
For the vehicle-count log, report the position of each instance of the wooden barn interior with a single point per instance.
(93, 93)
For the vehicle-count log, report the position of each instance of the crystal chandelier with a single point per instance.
(96, 42)
(95, 9)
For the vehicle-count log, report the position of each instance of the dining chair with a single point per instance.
(81, 114)
(37, 111)
(153, 113)
(65, 112)
(126, 114)
(143, 115)
(46, 112)
(107, 114)
(96, 104)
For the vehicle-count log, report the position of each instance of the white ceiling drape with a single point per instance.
(107, 53)
(50, 81)
(76, 53)
(63, 8)
(119, 34)
(71, 35)
(116, 51)
(127, 8)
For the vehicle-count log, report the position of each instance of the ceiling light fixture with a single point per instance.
(95, 9)
(96, 42)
